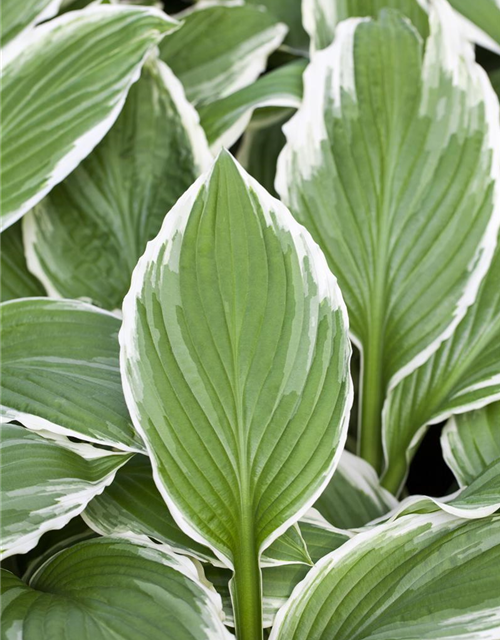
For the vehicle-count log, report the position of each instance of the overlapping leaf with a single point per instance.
(15, 279)
(85, 237)
(60, 371)
(225, 120)
(133, 505)
(235, 367)
(471, 443)
(354, 495)
(463, 374)
(321, 17)
(19, 17)
(44, 484)
(63, 92)
(436, 577)
(220, 48)
(392, 163)
(108, 588)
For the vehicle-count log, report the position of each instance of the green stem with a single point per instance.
(394, 477)
(247, 588)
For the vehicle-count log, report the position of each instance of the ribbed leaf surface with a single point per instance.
(235, 364)
(393, 164)
(463, 374)
(60, 371)
(85, 237)
(45, 484)
(321, 17)
(471, 443)
(430, 576)
(15, 279)
(225, 120)
(18, 17)
(63, 92)
(221, 48)
(105, 588)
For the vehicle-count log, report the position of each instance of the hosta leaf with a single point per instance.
(235, 366)
(320, 536)
(63, 92)
(259, 151)
(133, 505)
(225, 120)
(321, 17)
(85, 237)
(482, 21)
(430, 576)
(221, 48)
(354, 495)
(392, 162)
(277, 585)
(289, 12)
(45, 484)
(15, 279)
(471, 443)
(108, 588)
(17, 18)
(60, 371)
(463, 374)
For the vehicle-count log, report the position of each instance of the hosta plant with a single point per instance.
(250, 310)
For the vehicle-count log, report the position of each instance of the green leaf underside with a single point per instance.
(63, 92)
(354, 495)
(220, 49)
(234, 324)
(485, 15)
(60, 371)
(44, 485)
(133, 504)
(85, 237)
(321, 17)
(277, 586)
(107, 588)
(389, 164)
(426, 576)
(461, 375)
(471, 443)
(225, 120)
(15, 279)
(17, 17)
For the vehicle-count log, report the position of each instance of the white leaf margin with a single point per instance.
(83, 145)
(175, 223)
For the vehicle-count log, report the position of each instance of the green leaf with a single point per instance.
(60, 371)
(462, 375)
(482, 21)
(63, 92)
(133, 505)
(393, 163)
(354, 495)
(85, 237)
(471, 443)
(320, 536)
(221, 48)
(259, 151)
(18, 18)
(235, 363)
(44, 484)
(321, 17)
(425, 576)
(108, 588)
(15, 279)
(277, 586)
(225, 120)
(289, 12)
